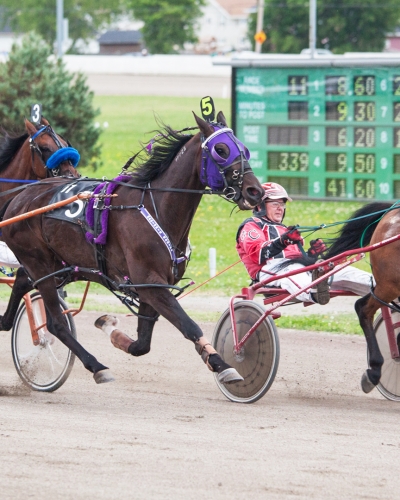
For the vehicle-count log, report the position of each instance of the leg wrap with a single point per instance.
(205, 351)
(120, 340)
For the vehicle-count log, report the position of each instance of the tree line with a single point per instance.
(343, 25)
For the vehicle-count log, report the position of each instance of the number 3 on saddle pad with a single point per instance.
(207, 108)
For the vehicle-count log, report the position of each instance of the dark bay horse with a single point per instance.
(372, 224)
(142, 255)
(30, 157)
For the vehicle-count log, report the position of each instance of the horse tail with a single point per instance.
(358, 231)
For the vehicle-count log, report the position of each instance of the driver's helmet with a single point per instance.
(274, 191)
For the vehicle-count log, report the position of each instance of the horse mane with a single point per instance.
(362, 224)
(9, 146)
(167, 144)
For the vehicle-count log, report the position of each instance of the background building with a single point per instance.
(223, 27)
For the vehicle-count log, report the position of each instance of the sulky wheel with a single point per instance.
(389, 384)
(259, 359)
(43, 367)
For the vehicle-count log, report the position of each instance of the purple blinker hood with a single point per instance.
(212, 174)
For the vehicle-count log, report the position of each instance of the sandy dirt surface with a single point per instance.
(164, 430)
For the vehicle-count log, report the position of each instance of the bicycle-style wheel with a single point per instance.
(389, 384)
(258, 360)
(44, 367)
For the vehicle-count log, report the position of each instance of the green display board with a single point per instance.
(322, 132)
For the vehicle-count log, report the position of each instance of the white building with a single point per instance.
(223, 26)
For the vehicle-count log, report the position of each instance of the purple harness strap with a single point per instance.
(102, 237)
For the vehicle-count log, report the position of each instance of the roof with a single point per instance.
(238, 7)
(120, 37)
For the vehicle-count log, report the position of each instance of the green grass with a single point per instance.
(132, 120)
(330, 322)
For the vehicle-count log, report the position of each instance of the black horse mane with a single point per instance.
(9, 146)
(362, 224)
(167, 144)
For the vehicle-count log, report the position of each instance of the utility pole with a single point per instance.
(60, 22)
(313, 27)
(260, 21)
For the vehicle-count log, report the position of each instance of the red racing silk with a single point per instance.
(258, 241)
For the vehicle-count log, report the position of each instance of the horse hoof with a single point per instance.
(366, 384)
(103, 376)
(229, 376)
(106, 320)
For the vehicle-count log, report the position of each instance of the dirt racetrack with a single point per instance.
(163, 429)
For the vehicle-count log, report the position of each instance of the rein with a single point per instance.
(395, 206)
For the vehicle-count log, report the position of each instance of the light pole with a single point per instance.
(260, 20)
(313, 27)
(60, 16)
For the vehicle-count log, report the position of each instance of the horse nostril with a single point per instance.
(255, 193)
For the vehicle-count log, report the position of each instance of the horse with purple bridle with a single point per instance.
(141, 254)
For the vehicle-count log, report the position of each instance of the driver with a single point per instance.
(7, 258)
(264, 244)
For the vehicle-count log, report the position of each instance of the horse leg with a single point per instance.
(365, 309)
(139, 347)
(57, 325)
(166, 304)
(22, 286)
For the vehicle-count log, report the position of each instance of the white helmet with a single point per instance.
(274, 191)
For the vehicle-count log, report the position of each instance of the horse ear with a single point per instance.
(204, 127)
(44, 122)
(221, 119)
(30, 128)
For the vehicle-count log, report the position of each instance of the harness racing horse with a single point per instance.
(372, 224)
(37, 154)
(148, 228)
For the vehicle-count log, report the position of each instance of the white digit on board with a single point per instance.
(317, 187)
(384, 188)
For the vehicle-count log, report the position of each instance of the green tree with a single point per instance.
(85, 17)
(342, 26)
(30, 75)
(168, 24)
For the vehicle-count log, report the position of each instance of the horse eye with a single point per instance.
(221, 151)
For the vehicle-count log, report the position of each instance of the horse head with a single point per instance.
(225, 164)
(51, 155)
